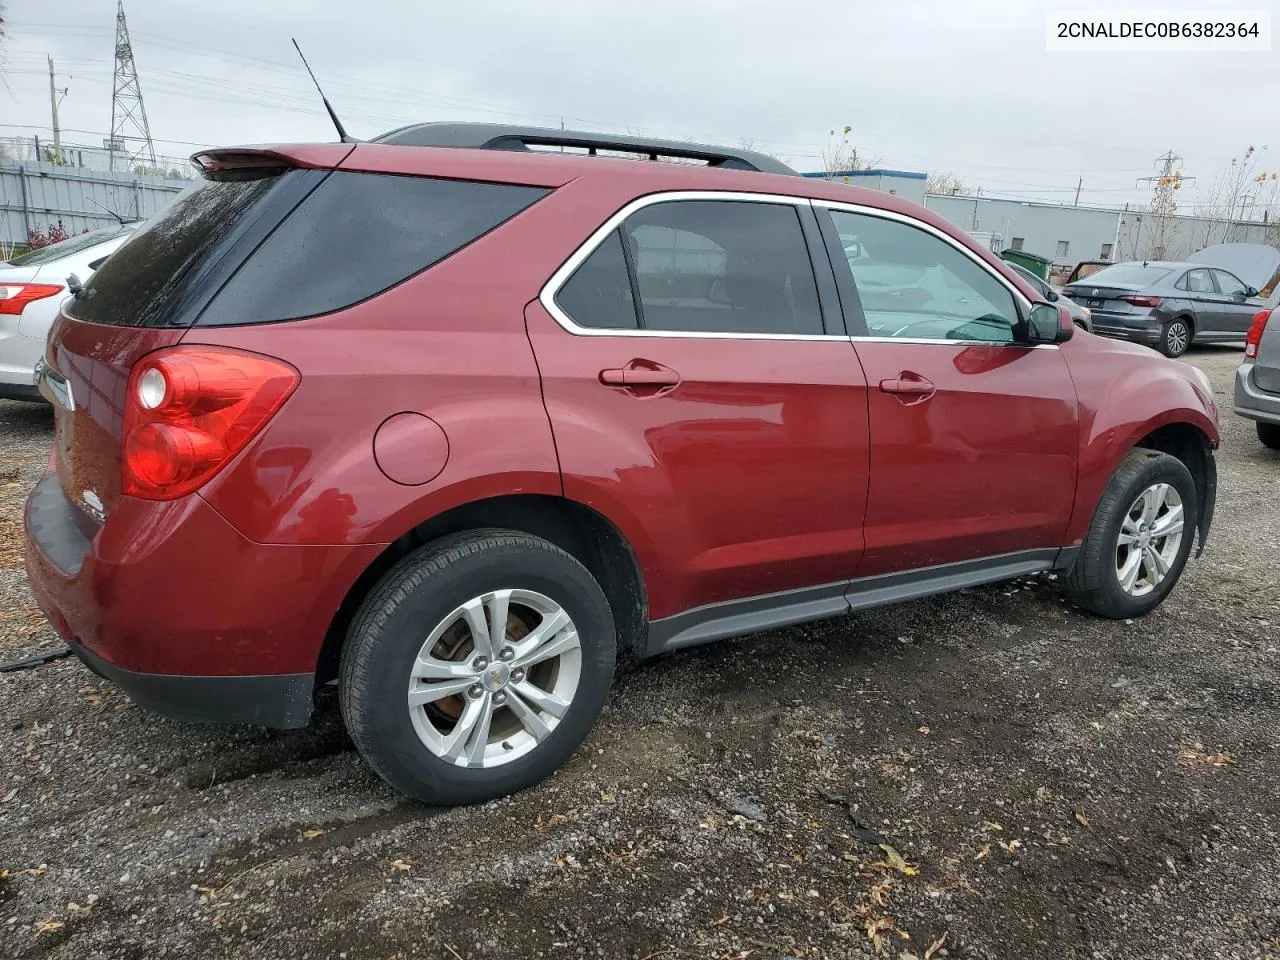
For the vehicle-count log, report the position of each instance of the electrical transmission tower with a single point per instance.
(1164, 201)
(130, 133)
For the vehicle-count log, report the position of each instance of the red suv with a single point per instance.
(457, 422)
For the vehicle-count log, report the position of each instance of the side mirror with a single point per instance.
(1250, 291)
(1051, 296)
(1048, 323)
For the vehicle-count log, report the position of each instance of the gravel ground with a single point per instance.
(983, 775)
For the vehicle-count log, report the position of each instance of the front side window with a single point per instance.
(915, 285)
(1229, 284)
(722, 266)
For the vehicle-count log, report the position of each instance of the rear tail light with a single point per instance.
(1151, 302)
(15, 296)
(190, 410)
(1256, 329)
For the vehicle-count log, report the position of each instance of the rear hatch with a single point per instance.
(145, 297)
(1106, 289)
(267, 236)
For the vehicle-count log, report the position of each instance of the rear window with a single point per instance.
(268, 245)
(152, 279)
(65, 248)
(358, 235)
(1129, 274)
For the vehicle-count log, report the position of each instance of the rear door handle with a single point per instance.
(640, 374)
(908, 384)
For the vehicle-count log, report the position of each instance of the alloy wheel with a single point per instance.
(1150, 536)
(494, 678)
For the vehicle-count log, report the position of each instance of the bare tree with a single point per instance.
(1241, 188)
(839, 154)
(946, 183)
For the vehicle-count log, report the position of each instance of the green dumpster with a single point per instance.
(1029, 261)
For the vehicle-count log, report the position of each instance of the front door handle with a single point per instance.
(640, 373)
(909, 386)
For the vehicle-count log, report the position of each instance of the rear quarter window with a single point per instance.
(357, 235)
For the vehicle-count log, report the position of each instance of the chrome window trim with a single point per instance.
(547, 296)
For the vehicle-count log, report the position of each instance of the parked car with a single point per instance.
(554, 408)
(1167, 305)
(31, 288)
(1257, 393)
(1080, 316)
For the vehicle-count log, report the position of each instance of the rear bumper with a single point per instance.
(187, 615)
(1144, 328)
(1252, 402)
(282, 701)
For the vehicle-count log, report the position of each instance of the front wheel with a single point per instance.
(1269, 434)
(1140, 537)
(477, 666)
(1175, 337)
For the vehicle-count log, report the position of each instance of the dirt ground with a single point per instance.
(984, 775)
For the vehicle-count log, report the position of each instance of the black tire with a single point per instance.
(1175, 337)
(1092, 582)
(1269, 434)
(413, 597)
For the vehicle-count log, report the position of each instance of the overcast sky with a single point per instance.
(931, 85)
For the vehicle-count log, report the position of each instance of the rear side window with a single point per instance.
(357, 235)
(599, 292)
(722, 266)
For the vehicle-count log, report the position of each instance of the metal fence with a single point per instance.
(35, 196)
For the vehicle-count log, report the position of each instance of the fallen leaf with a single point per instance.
(49, 926)
(1081, 819)
(36, 871)
(935, 947)
(925, 730)
(608, 798)
(721, 920)
(10, 795)
(209, 893)
(402, 865)
(1011, 846)
(991, 825)
(986, 848)
(847, 855)
(894, 859)
(78, 910)
(312, 834)
(798, 857)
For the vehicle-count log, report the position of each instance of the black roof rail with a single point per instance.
(501, 136)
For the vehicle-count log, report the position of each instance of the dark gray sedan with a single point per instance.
(1167, 305)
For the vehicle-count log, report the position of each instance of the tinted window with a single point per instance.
(916, 285)
(1229, 283)
(152, 277)
(64, 248)
(599, 292)
(1197, 281)
(357, 235)
(715, 266)
(1129, 274)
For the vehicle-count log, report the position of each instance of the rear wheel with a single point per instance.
(1269, 434)
(1140, 537)
(1175, 337)
(477, 666)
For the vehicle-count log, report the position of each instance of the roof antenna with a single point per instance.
(123, 222)
(342, 133)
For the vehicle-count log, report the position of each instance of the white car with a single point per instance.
(32, 288)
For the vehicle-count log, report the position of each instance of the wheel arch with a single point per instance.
(1192, 446)
(581, 531)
